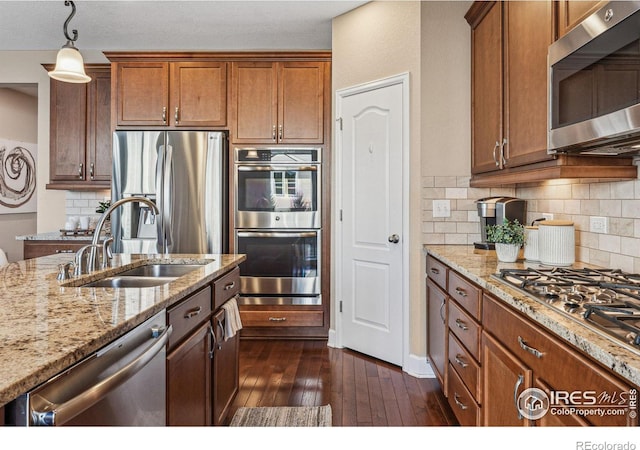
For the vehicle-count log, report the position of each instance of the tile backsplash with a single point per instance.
(81, 203)
(575, 200)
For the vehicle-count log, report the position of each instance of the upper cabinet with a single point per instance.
(169, 94)
(80, 132)
(572, 12)
(509, 46)
(279, 102)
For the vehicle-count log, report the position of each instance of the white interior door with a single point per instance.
(371, 237)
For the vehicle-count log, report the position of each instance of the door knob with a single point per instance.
(394, 238)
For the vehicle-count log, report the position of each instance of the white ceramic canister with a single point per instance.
(556, 243)
(531, 243)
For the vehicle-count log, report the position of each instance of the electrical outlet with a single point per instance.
(441, 208)
(598, 225)
(547, 216)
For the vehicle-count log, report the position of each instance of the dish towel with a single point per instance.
(232, 321)
(3, 258)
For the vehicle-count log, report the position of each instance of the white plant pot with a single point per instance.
(507, 252)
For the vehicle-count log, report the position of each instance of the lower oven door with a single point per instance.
(279, 263)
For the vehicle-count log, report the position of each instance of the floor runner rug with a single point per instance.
(282, 416)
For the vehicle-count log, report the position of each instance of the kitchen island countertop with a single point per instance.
(47, 325)
(478, 266)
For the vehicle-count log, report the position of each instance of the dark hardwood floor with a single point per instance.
(362, 391)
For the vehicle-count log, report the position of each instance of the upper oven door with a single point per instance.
(594, 82)
(277, 196)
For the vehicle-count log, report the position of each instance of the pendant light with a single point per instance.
(69, 63)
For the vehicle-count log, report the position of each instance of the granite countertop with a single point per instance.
(47, 325)
(55, 236)
(478, 266)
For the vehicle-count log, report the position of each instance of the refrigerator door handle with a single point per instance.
(161, 248)
(167, 205)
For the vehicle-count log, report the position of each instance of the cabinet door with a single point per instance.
(99, 140)
(198, 94)
(225, 370)
(505, 377)
(301, 102)
(67, 131)
(486, 79)
(254, 102)
(572, 12)
(528, 32)
(437, 331)
(142, 93)
(189, 380)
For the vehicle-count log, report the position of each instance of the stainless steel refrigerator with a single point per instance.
(185, 174)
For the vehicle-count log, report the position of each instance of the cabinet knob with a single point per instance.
(81, 171)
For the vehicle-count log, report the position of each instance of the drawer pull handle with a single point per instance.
(458, 402)
(460, 362)
(442, 311)
(230, 286)
(435, 271)
(64, 250)
(461, 292)
(515, 395)
(277, 319)
(460, 324)
(192, 312)
(533, 351)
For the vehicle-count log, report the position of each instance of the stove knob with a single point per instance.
(571, 307)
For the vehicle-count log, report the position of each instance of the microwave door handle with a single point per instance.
(160, 241)
(276, 167)
(62, 413)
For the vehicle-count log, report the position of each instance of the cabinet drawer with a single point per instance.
(274, 318)
(464, 406)
(465, 328)
(466, 367)
(226, 287)
(188, 314)
(551, 360)
(437, 272)
(465, 293)
(35, 249)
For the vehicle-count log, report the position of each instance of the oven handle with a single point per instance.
(269, 234)
(59, 414)
(277, 168)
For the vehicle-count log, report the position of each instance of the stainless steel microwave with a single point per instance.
(594, 84)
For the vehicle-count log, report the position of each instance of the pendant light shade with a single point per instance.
(69, 63)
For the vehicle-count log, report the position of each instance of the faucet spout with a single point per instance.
(117, 204)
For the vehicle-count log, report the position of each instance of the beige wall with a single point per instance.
(18, 122)
(26, 67)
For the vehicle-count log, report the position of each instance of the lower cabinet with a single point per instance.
(35, 249)
(202, 364)
(437, 331)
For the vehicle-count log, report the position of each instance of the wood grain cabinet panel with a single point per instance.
(572, 12)
(279, 102)
(226, 369)
(35, 249)
(198, 94)
(437, 332)
(80, 132)
(141, 90)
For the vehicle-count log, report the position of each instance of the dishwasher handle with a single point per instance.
(66, 411)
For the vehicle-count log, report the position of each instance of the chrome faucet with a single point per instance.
(95, 245)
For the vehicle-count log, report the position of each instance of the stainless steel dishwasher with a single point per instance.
(121, 384)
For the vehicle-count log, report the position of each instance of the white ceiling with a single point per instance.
(171, 25)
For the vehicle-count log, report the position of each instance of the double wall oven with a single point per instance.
(278, 225)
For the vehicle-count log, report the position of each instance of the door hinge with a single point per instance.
(339, 120)
(340, 305)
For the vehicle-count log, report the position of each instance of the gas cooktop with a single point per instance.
(606, 301)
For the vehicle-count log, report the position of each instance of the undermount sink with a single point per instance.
(145, 276)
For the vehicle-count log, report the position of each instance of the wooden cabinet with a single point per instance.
(170, 94)
(202, 361)
(35, 249)
(509, 45)
(572, 12)
(437, 331)
(279, 102)
(518, 354)
(80, 132)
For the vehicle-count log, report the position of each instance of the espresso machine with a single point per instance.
(495, 210)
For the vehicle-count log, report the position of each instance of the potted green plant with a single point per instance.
(103, 206)
(508, 238)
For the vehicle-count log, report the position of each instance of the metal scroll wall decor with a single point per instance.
(17, 177)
